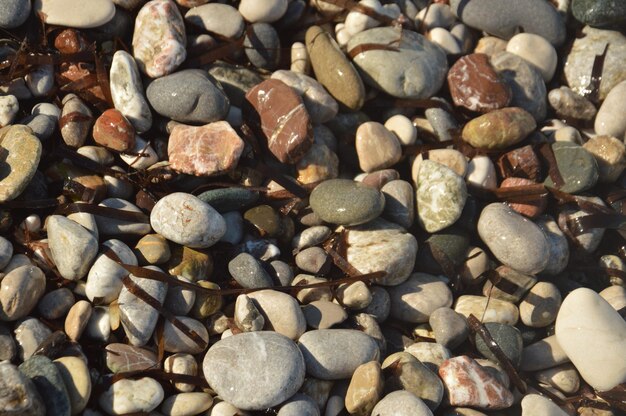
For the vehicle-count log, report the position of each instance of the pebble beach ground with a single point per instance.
(312, 207)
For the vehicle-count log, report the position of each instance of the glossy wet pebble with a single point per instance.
(345, 202)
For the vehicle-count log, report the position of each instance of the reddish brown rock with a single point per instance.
(522, 162)
(475, 84)
(276, 113)
(69, 72)
(70, 41)
(468, 384)
(206, 150)
(114, 131)
(530, 209)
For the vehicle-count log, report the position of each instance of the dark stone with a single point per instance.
(235, 80)
(508, 338)
(577, 166)
(248, 272)
(600, 13)
(47, 378)
(262, 46)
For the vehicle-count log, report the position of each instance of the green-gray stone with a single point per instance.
(235, 80)
(412, 375)
(600, 13)
(265, 219)
(21, 152)
(578, 167)
(346, 202)
(444, 249)
(229, 199)
(508, 338)
(49, 382)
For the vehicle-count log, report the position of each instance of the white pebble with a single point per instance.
(535, 50)
(403, 128)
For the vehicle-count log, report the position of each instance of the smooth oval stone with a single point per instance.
(77, 381)
(399, 203)
(72, 246)
(490, 310)
(579, 61)
(229, 199)
(376, 147)
(159, 38)
(185, 219)
(365, 389)
(320, 105)
(239, 367)
(450, 327)
(48, 381)
(593, 335)
(175, 340)
(416, 70)
(513, 239)
(281, 312)
(557, 243)
(499, 129)
(188, 96)
(527, 86)
(104, 280)
(186, 404)
(440, 196)
(333, 354)
(541, 305)
(55, 304)
(75, 122)
(184, 364)
(600, 13)
(262, 46)
(20, 290)
(221, 19)
(13, 13)
(608, 120)
(19, 394)
(333, 70)
(534, 404)
(262, 10)
(77, 319)
(401, 403)
(420, 295)
(503, 18)
(345, 202)
(23, 152)
(299, 405)
(235, 80)
(535, 50)
(380, 245)
(508, 338)
(130, 396)
(577, 166)
(70, 13)
(248, 272)
(127, 91)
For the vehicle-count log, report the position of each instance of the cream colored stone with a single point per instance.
(535, 50)
(77, 381)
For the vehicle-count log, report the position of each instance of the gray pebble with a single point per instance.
(179, 300)
(442, 122)
(299, 405)
(262, 46)
(380, 306)
(49, 382)
(29, 334)
(310, 237)
(221, 19)
(281, 272)
(450, 328)
(235, 80)
(507, 337)
(19, 395)
(234, 227)
(20, 290)
(6, 252)
(8, 348)
(314, 260)
(248, 272)
(72, 246)
(42, 125)
(399, 202)
(55, 304)
(401, 403)
(115, 227)
(13, 13)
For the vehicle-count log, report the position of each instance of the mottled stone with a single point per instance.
(601, 13)
(19, 394)
(75, 122)
(127, 91)
(121, 358)
(499, 129)
(345, 202)
(569, 105)
(249, 272)
(22, 152)
(488, 310)
(159, 38)
(131, 396)
(114, 131)
(475, 84)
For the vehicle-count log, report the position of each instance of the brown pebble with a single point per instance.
(522, 162)
(114, 131)
(70, 41)
(77, 319)
(530, 209)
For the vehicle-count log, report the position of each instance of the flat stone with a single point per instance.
(127, 91)
(593, 335)
(333, 70)
(277, 113)
(229, 199)
(469, 384)
(47, 378)
(376, 147)
(248, 272)
(345, 202)
(104, 279)
(450, 327)
(130, 396)
(238, 367)
(212, 149)
(535, 404)
(401, 403)
(578, 63)
(415, 299)
(221, 19)
(72, 246)
(77, 380)
(114, 131)
(577, 166)
(159, 38)
(282, 312)
(475, 84)
(19, 394)
(513, 239)
(440, 196)
(599, 13)
(77, 319)
(185, 219)
(382, 246)
(66, 13)
(499, 129)
(490, 310)
(23, 152)
(416, 70)
(188, 96)
(504, 18)
(121, 358)
(20, 290)
(365, 389)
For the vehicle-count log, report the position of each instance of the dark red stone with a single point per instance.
(532, 208)
(114, 131)
(522, 163)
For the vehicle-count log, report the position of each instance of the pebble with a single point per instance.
(248, 272)
(229, 199)
(310, 237)
(452, 159)
(23, 152)
(69, 13)
(197, 226)
(77, 319)
(437, 15)
(469, 384)
(114, 131)
(591, 238)
(176, 341)
(418, 297)
(577, 166)
(72, 246)
(333, 70)
(490, 310)
(541, 305)
(376, 147)
(9, 106)
(534, 404)
(401, 403)
(543, 354)
(277, 114)
(8, 347)
(399, 203)
(599, 13)
(247, 317)
(313, 260)
(475, 84)
(557, 244)
(14, 13)
(450, 328)
(282, 312)
(159, 38)
(29, 334)
(416, 70)
(365, 389)
(504, 18)
(499, 129)
(530, 209)
(333, 354)
(382, 246)
(237, 368)
(445, 40)
(75, 122)
(266, 11)
(121, 358)
(152, 249)
(403, 128)
(117, 227)
(19, 394)
(179, 300)
(593, 335)
(508, 338)
(323, 314)
(186, 404)
(184, 364)
(570, 105)
(440, 196)
(104, 279)
(513, 239)
(563, 377)
(608, 122)
(40, 81)
(262, 46)
(578, 63)
(127, 91)
(345, 202)
(130, 396)
(75, 375)
(221, 19)
(55, 304)
(535, 50)
(20, 290)
(49, 383)
(299, 405)
(407, 373)
(514, 285)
